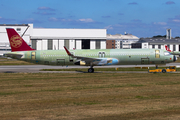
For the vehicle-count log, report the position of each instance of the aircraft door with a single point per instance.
(33, 55)
(157, 54)
(144, 60)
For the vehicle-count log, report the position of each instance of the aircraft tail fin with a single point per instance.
(167, 48)
(16, 41)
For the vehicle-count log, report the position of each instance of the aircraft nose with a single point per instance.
(175, 58)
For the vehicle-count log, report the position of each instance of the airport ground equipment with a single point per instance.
(169, 69)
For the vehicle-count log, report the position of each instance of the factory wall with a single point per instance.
(70, 44)
(55, 39)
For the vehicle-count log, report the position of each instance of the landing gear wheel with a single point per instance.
(90, 70)
(163, 71)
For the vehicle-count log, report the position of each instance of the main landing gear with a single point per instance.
(91, 70)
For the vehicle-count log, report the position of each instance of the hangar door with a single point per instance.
(86, 44)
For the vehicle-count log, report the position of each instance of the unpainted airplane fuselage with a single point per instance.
(124, 56)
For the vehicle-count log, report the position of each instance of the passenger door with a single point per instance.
(157, 54)
(33, 55)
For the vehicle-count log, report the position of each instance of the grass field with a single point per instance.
(101, 96)
(5, 61)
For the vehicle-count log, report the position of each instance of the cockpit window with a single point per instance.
(167, 53)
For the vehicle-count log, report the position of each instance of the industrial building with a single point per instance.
(55, 39)
(119, 41)
(159, 42)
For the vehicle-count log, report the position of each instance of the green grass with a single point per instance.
(89, 96)
(5, 61)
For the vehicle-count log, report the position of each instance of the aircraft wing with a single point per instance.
(80, 57)
(93, 61)
(175, 53)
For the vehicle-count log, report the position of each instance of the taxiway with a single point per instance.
(37, 68)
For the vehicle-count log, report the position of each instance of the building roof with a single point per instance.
(14, 25)
(120, 37)
(160, 40)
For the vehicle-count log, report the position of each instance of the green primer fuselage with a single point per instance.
(125, 56)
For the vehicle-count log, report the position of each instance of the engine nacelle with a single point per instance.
(99, 62)
(108, 61)
(80, 63)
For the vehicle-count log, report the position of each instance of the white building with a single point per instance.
(55, 39)
(123, 41)
(158, 43)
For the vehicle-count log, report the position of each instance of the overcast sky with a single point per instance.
(142, 18)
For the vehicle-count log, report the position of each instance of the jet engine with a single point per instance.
(99, 62)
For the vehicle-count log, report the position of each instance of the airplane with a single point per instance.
(172, 52)
(88, 57)
(167, 48)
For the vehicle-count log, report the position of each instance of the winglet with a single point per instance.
(67, 51)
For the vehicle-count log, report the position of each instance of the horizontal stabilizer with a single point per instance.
(13, 55)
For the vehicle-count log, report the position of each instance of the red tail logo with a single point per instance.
(16, 41)
(167, 48)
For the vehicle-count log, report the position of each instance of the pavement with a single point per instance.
(37, 68)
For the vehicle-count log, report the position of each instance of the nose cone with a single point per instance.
(175, 58)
